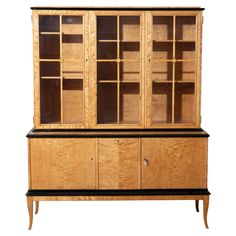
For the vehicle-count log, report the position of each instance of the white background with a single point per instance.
(118, 218)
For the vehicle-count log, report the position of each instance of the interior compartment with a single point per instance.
(185, 71)
(50, 68)
(161, 71)
(106, 71)
(106, 50)
(186, 28)
(73, 69)
(130, 71)
(185, 50)
(106, 27)
(72, 24)
(130, 28)
(50, 109)
(73, 101)
(49, 23)
(162, 50)
(72, 46)
(162, 28)
(130, 50)
(107, 103)
(49, 46)
(184, 103)
(129, 103)
(161, 103)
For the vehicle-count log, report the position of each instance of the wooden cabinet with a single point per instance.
(117, 106)
(119, 163)
(62, 163)
(174, 163)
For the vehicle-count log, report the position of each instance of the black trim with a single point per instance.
(135, 192)
(122, 8)
(115, 133)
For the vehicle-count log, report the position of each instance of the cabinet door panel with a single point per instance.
(63, 163)
(174, 163)
(119, 165)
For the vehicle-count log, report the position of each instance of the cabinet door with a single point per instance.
(119, 163)
(118, 68)
(173, 69)
(174, 163)
(61, 78)
(62, 163)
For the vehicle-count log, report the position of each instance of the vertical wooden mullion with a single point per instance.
(118, 69)
(173, 70)
(61, 75)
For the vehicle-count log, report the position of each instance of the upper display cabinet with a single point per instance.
(127, 68)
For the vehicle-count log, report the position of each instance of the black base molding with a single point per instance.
(135, 192)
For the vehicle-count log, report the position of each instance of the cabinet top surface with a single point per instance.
(120, 133)
(118, 8)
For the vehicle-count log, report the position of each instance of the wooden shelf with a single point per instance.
(162, 81)
(49, 33)
(50, 77)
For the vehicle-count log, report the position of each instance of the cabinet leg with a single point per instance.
(36, 207)
(30, 209)
(205, 209)
(197, 205)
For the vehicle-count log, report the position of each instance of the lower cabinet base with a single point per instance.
(101, 195)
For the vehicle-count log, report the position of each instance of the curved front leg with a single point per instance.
(30, 209)
(205, 209)
(197, 205)
(36, 207)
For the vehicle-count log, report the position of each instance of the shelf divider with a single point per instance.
(61, 72)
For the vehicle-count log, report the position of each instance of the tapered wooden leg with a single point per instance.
(197, 205)
(205, 209)
(30, 209)
(36, 207)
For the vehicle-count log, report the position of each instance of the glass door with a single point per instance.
(62, 73)
(173, 70)
(118, 64)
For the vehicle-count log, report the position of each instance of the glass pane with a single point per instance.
(186, 28)
(162, 28)
(161, 71)
(161, 103)
(49, 24)
(185, 103)
(129, 103)
(107, 103)
(49, 69)
(49, 46)
(107, 28)
(130, 50)
(130, 28)
(130, 71)
(107, 71)
(185, 50)
(185, 71)
(107, 50)
(163, 50)
(50, 101)
(72, 25)
(73, 108)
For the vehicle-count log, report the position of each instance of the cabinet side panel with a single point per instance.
(35, 28)
(174, 163)
(119, 166)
